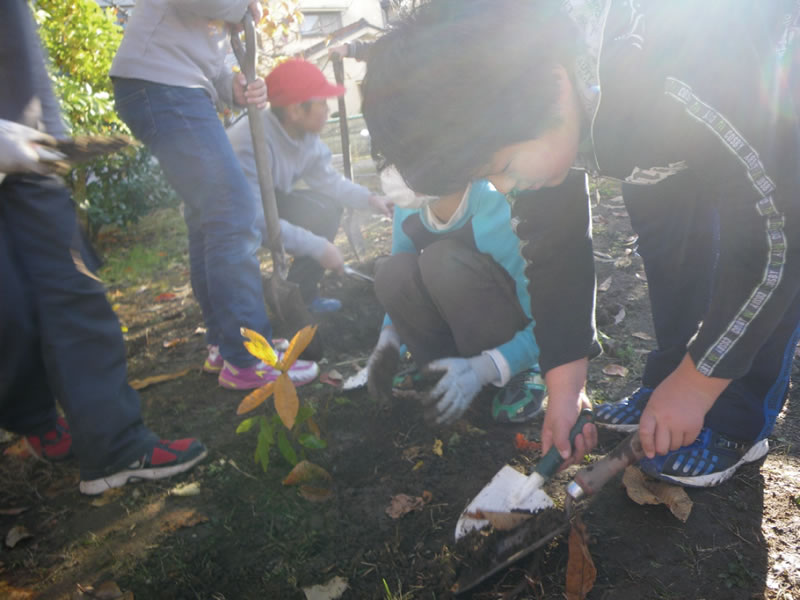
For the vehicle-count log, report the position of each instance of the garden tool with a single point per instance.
(348, 270)
(512, 493)
(350, 222)
(509, 548)
(283, 296)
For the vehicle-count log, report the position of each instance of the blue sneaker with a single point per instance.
(623, 415)
(324, 305)
(707, 462)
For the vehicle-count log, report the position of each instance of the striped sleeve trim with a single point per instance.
(765, 206)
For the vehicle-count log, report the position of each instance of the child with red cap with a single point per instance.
(297, 91)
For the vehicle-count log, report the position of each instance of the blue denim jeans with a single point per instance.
(679, 238)
(181, 127)
(59, 337)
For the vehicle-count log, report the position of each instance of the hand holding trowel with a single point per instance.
(283, 296)
(515, 545)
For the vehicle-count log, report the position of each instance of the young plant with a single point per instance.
(291, 422)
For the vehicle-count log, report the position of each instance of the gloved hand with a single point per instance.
(19, 152)
(463, 379)
(382, 365)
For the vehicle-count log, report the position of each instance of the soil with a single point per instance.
(245, 535)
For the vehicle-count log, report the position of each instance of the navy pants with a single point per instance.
(679, 244)
(59, 338)
(181, 127)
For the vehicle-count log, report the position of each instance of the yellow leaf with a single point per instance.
(259, 347)
(306, 472)
(437, 448)
(299, 342)
(255, 398)
(286, 402)
(418, 465)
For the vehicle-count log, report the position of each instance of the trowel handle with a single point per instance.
(594, 476)
(551, 461)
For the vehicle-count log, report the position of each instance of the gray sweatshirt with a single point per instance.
(181, 43)
(291, 160)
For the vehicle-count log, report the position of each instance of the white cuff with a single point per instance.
(503, 368)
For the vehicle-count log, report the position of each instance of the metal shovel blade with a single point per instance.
(501, 496)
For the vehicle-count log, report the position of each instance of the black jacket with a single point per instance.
(705, 86)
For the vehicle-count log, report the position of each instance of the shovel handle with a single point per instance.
(551, 461)
(593, 477)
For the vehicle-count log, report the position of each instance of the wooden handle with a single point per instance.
(593, 477)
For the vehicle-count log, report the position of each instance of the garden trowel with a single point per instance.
(511, 494)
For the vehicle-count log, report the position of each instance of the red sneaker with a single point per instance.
(165, 459)
(53, 445)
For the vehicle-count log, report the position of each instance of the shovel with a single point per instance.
(512, 493)
(283, 296)
(517, 544)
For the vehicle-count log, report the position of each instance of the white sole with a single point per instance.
(98, 486)
(758, 451)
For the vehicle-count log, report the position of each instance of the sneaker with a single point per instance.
(52, 445)
(707, 462)
(165, 459)
(215, 362)
(248, 378)
(324, 305)
(521, 398)
(623, 415)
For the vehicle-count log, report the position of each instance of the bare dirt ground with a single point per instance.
(246, 536)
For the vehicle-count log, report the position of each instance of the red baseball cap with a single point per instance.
(296, 81)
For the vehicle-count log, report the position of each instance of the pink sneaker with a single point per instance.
(248, 378)
(215, 362)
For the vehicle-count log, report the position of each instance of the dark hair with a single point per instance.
(280, 111)
(459, 79)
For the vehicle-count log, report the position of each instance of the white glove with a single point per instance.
(382, 364)
(463, 379)
(20, 152)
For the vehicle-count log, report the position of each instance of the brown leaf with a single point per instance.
(501, 521)
(106, 497)
(18, 449)
(255, 398)
(165, 297)
(641, 335)
(605, 285)
(140, 384)
(412, 453)
(179, 519)
(620, 316)
(108, 590)
(615, 370)
(299, 342)
(402, 504)
(304, 472)
(623, 262)
(581, 572)
(174, 342)
(11, 593)
(314, 493)
(16, 534)
(13, 512)
(645, 491)
(286, 401)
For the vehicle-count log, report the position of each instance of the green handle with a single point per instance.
(551, 461)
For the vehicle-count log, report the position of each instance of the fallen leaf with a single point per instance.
(314, 493)
(174, 342)
(402, 504)
(304, 472)
(412, 453)
(18, 449)
(332, 590)
(615, 370)
(186, 489)
(108, 590)
(620, 316)
(525, 445)
(619, 213)
(165, 297)
(332, 377)
(581, 572)
(605, 285)
(199, 331)
(641, 276)
(641, 335)
(437, 448)
(418, 465)
(11, 593)
(615, 200)
(13, 512)
(106, 497)
(16, 534)
(623, 262)
(179, 519)
(645, 491)
(140, 384)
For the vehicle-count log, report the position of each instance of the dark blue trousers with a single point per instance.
(679, 243)
(59, 337)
